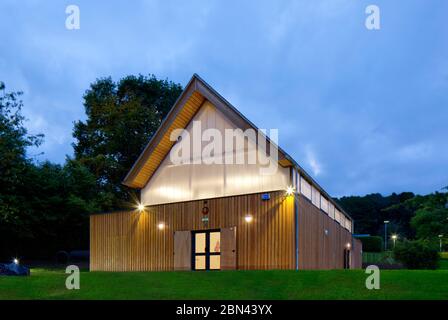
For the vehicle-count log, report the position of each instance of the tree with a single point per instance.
(417, 254)
(59, 200)
(14, 140)
(370, 211)
(121, 118)
(429, 223)
(43, 207)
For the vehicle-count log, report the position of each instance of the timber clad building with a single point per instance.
(220, 216)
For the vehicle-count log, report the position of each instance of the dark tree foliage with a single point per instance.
(54, 214)
(411, 216)
(417, 254)
(369, 212)
(14, 164)
(372, 244)
(121, 118)
(43, 207)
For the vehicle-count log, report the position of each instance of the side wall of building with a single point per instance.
(322, 240)
(131, 241)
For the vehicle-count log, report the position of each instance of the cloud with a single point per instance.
(364, 111)
(312, 162)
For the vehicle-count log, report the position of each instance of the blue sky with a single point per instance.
(363, 111)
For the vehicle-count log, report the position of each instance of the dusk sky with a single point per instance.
(362, 110)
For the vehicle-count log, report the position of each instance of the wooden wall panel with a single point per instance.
(182, 250)
(318, 250)
(228, 248)
(131, 241)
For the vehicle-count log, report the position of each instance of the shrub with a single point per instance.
(417, 255)
(372, 244)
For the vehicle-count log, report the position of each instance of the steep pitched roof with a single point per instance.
(189, 102)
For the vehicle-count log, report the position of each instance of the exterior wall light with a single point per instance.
(140, 207)
(161, 226)
(290, 191)
(248, 218)
(15, 260)
(348, 245)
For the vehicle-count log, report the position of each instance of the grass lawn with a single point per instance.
(334, 284)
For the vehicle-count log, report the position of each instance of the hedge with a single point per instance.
(372, 244)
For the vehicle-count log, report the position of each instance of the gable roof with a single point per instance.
(184, 109)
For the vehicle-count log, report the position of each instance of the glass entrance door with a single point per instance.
(206, 250)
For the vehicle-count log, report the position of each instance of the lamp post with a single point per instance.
(385, 234)
(440, 241)
(394, 238)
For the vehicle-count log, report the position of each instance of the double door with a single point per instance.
(206, 253)
(213, 249)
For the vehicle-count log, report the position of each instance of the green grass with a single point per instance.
(334, 284)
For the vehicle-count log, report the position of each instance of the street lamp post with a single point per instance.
(385, 234)
(440, 241)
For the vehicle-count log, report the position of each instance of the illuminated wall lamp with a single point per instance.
(161, 226)
(248, 218)
(290, 191)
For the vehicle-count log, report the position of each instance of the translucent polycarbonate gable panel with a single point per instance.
(192, 181)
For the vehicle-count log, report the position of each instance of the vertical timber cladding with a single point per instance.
(131, 241)
(319, 249)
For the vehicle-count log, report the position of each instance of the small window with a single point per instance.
(324, 204)
(305, 188)
(215, 262)
(215, 238)
(200, 242)
(316, 197)
(343, 219)
(337, 215)
(331, 210)
(199, 263)
(348, 224)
